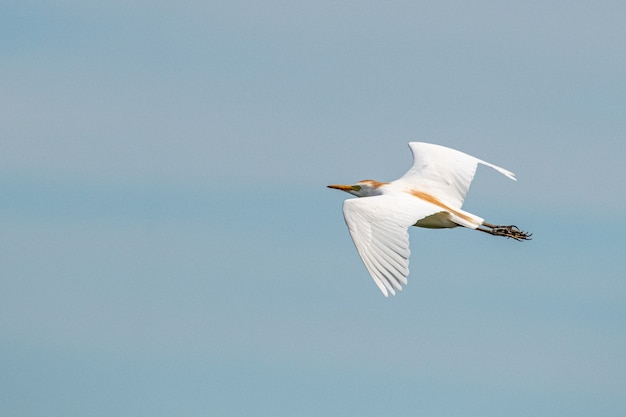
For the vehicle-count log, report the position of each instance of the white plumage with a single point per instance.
(429, 195)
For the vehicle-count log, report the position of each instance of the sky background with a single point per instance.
(168, 246)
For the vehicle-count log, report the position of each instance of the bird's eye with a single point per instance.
(356, 187)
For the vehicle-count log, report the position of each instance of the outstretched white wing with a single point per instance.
(443, 172)
(379, 229)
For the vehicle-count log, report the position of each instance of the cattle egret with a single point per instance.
(429, 195)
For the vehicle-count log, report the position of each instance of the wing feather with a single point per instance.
(388, 256)
(379, 226)
(446, 173)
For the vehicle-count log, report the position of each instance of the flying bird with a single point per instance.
(429, 195)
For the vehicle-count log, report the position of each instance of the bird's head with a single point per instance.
(364, 188)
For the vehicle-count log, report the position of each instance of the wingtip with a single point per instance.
(503, 171)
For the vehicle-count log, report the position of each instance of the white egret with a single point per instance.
(429, 195)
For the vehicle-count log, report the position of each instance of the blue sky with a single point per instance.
(168, 246)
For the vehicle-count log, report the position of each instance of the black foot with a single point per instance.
(512, 232)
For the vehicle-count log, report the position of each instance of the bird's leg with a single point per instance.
(506, 231)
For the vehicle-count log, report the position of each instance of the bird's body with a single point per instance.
(429, 195)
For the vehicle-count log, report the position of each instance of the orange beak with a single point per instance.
(346, 188)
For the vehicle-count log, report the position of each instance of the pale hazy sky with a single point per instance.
(168, 246)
